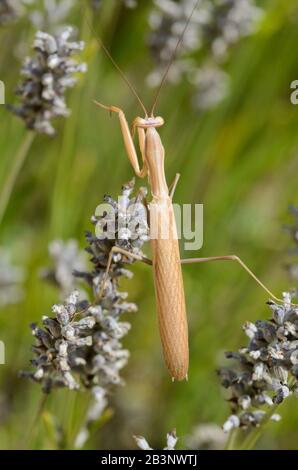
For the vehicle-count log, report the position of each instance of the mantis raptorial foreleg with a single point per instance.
(128, 140)
(126, 253)
(142, 144)
(232, 258)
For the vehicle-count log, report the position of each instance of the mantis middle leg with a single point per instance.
(126, 253)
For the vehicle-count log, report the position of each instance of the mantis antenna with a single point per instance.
(122, 74)
(172, 58)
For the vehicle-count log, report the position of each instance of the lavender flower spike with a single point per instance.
(96, 4)
(215, 26)
(66, 259)
(9, 11)
(172, 440)
(265, 371)
(11, 280)
(80, 345)
(46, 77)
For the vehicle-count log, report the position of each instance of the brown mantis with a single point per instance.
(166, 262)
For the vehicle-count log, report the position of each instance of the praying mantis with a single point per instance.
(166, 262)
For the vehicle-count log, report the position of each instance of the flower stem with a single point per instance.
(230, 444)
(14, 172)
(31, 431)
(253, 437)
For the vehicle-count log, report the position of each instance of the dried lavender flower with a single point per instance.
(130, 3)
(11, 280)
(172, 440)
(49, 13)
(96, 4)
(80, 347)
(9, 11)
(67, 258)
(214, 27)
(206, 436)
(292, 267)
(47, 76)
(57, 346)
(265, 371)
(211, 86)
(231, 20)
(95, 411)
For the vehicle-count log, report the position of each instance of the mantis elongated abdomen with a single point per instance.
(169, 294)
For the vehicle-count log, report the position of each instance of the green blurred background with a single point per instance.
(239, 160)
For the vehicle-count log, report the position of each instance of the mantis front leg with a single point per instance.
(128, 140)
(242, 264)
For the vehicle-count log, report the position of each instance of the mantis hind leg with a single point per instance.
(238, 260)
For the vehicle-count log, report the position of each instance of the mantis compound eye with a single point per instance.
(159, 121)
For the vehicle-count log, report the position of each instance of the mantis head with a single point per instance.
(147, 122)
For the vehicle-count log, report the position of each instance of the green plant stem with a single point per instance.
(251, 440)
(17, 164)
(31, 432)
(230, 444)
(253, 437)
(81, 421)
(70, 417)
